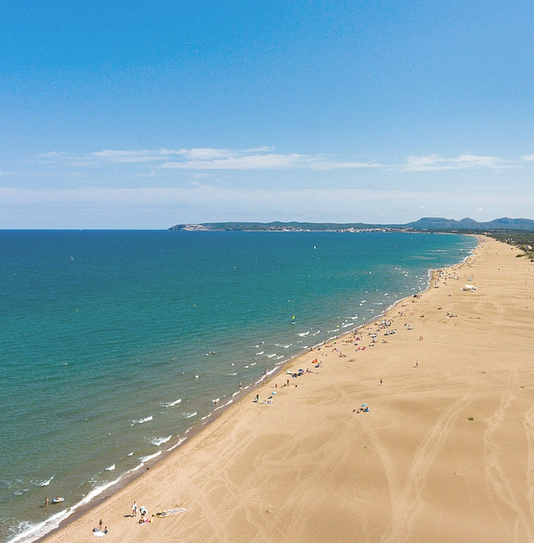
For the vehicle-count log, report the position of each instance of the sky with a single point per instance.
(136, 114)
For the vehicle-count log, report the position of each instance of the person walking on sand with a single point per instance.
(134, 509)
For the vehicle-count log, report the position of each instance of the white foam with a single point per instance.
(32, 532)
(180, 441)
(144, 459)
(21, 492)
(189, 415)
(142, 421)
(157, 441)
(172, 404)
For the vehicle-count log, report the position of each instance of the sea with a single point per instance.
(115, 344)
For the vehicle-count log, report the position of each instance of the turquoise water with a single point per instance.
(105, 339)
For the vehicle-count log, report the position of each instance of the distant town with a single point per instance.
(429, 224)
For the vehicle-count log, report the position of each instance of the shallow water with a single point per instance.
(115, 343)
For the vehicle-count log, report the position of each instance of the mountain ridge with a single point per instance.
(429, 224)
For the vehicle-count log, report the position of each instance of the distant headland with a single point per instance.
(427, 224)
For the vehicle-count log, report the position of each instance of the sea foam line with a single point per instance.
(157, 441)
(142, 421)
(36, 531)
(172, 404)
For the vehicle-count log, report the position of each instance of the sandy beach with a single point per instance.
(445, 452)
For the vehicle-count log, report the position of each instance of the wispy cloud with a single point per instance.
(431, 163)
(256, 161)
(265, 158)
(205, 158)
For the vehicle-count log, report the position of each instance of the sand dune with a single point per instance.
(445, 453)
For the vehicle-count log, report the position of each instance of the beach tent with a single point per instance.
(469, 288)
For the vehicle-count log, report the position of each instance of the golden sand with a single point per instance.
(445, 453)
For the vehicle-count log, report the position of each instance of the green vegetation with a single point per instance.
(522, 240)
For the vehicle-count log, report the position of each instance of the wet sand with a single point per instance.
(445, 453)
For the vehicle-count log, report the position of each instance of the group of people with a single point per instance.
(142, 510)
(101, 530)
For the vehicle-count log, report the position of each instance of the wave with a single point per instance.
(45, 483)
(30, 532)
(303, 334)
(189, 415)
(21, 492)
(171, 404)
(144, 459)
(180, 441)
(142, 421)
(157, 441)
(111, 468)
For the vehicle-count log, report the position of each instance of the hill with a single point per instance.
(428, 224)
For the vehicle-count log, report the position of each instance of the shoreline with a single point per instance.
(187, 436)
(205, 424)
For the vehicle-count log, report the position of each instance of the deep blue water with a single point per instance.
(105, 334)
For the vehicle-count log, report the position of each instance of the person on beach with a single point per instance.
(134, 509)
(100, 524)
(257, 399)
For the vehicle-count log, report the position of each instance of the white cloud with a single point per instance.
(126, 156)
(246, 162)
(260, 158)
(264, 158)
(333, 165)
(434, 162)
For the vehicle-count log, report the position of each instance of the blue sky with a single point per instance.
(145, 114)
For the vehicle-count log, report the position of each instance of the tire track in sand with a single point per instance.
(499, 485)
(406, 491)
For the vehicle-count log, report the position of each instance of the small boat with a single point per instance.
(58, 499)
